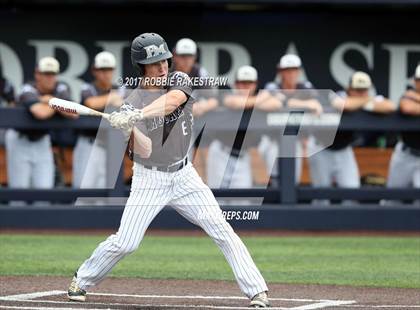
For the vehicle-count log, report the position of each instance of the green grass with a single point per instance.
(356, 261)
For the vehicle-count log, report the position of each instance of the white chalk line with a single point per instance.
(56, 292)
(152, 306)
(214, 307)
(213, 297)
(31, 295)
(383, 306)
(28, 298)
(323, 304)
(43, 308)
(319, 303)
(200, 306)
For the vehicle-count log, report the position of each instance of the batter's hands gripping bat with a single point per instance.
(74, 107)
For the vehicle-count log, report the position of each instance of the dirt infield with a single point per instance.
(118, 293)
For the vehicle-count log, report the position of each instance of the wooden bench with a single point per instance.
(3, 166)
(370, 160)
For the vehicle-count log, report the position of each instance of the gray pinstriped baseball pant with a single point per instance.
(185, 191)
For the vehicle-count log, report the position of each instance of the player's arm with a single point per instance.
(142, 144)
(206, 96)
(264, 101)
(239, 101)
(306, 99)
(99, 102)
(413, 95)
(350, 104)
(41, 110)
(410, 103)
(380, 104)
(96, 102)
(204, 105)
(179, 92)
(311, 104)
(165, 104)
(267, 102)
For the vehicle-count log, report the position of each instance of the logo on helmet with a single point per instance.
(153, 50)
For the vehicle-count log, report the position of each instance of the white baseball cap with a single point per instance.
(246, 73)
(417, 74)
(104, 60)
(289, 61)
(360, 80)
(48, 65)
(185, 46)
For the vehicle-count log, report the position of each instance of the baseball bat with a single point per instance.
(74, 107)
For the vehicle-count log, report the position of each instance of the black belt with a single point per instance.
(170, 168)
(412, 151)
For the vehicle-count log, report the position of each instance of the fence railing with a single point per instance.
(286, 193)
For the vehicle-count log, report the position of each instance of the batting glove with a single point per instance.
(125, 120)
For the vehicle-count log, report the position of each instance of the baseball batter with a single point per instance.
(162, 175)
(404, 168)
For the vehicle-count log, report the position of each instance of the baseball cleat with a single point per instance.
(260, 301)
(75, 293)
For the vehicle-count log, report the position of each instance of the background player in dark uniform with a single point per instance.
(229, 161)
(404, 168)
(7, 92)
(95, 95)
(29, 155)
(294, 94)
(7, 98)
(337, 164)
(162, 174)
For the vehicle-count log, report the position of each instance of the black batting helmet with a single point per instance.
(148, 48)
